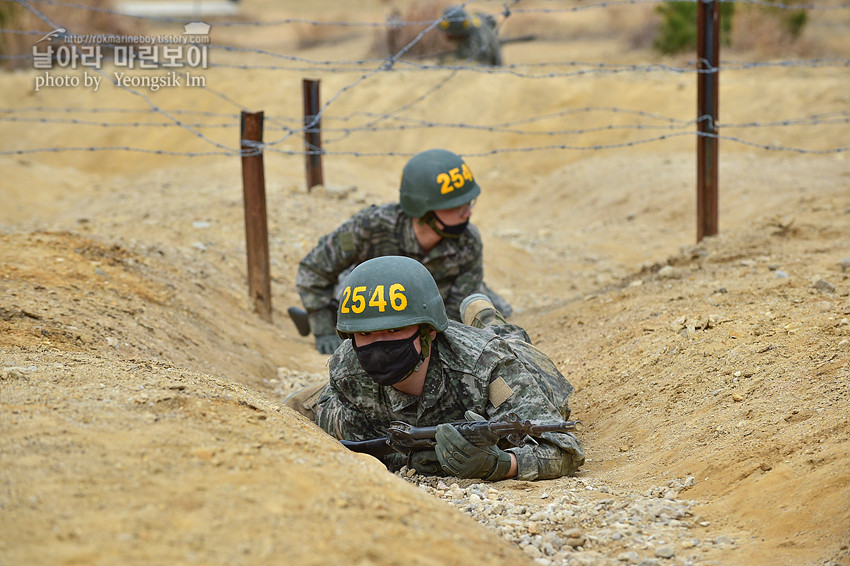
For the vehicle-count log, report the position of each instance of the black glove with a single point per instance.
(426, 462)
(327, 343)
(462, 459)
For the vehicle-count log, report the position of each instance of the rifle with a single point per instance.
(502, 41)
(517, 39)
(406, 439)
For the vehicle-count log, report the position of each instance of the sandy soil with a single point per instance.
(140, 396)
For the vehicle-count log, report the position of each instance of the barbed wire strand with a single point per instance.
(144, 97)
(388, 64)
(824, 119)
(304, 21)
(493, 152)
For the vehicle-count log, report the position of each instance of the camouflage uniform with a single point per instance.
(492, 372)
(377, 231)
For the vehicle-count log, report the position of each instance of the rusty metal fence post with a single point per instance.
(312, 134)
(708, 79)
(256, 227)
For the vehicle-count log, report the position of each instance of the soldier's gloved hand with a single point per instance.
(327, 343)
(426, 462)
(462, 459)
(323, 326)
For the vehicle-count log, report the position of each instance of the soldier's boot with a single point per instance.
(477, 310)
(305, 400)
(498, 301)
(301, 320)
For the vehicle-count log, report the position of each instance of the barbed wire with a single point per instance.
(258, 148)
(141, 95)
(393, 114)
(355, 65)
(502, 9)
(124, 148)
(609, 4)
(394, 121)
(812, 119)
(358, 65)
(842, 117)
(113, 110)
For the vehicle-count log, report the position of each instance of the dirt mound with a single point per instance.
(141, 396)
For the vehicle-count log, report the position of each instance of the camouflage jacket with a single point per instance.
(377, 231)
(469, 369)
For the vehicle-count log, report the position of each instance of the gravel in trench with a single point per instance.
(582, 522)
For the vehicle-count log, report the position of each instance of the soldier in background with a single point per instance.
(474, 36)
(430, 224)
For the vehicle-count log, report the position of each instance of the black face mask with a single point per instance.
(389, 361)
(444, 230)
(456, 229)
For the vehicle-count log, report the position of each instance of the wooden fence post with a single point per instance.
(312, 134)
(256, 228)
(708, 78)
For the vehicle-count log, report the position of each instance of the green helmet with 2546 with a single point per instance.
(389, 292)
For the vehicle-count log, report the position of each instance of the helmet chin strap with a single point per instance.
(424, 349)
(425, 340)
(432, 221)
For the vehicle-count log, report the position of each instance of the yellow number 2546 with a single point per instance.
(357, 299)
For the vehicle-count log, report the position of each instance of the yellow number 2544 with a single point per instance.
(454, 179)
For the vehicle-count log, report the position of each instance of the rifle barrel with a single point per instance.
(563, 426)
(377, 447)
